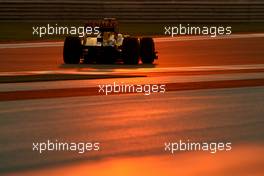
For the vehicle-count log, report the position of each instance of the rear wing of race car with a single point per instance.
(105, 25)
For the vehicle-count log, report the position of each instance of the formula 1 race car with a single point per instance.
(107, 46)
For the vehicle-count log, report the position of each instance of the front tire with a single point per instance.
(72, 50)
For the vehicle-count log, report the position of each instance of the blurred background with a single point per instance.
(136, 17)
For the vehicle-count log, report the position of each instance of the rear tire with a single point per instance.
(147, 50)
(130, 51)
(72, 50)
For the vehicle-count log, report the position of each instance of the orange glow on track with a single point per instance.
(243, 160)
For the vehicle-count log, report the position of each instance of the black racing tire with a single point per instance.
(130, 51)
(90, 56)
(72, 50)
(147, 50)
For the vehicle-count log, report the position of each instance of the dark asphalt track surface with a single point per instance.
(202, 106)
(171, 54)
